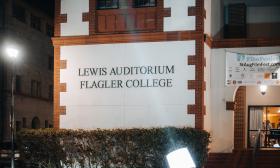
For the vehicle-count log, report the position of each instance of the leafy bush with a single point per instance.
(130, 148)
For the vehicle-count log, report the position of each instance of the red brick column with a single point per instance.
(239, 118)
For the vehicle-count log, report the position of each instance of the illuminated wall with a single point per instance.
(119, 103)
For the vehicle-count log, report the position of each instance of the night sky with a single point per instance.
(44, 5)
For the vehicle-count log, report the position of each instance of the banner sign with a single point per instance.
(243, 69)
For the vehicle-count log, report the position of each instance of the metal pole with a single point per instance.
(12, 116)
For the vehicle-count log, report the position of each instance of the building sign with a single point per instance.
(242, 69)
(127, 85)
(147, 82)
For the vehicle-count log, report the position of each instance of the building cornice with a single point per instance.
(241, 43)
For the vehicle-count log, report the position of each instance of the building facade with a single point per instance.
(29, 30)
(147, 63)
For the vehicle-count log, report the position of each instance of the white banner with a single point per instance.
(244, 69)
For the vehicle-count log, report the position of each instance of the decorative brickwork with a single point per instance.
(192, 11)
(127, 38)
(167, 12)
(198, 85)
(56, 94)
(239, 118)
(62, 110)
(63, 64)
(59, 18)
(230, 105)
(63, 87)
(239, 43)
(200, 63)
(90, 17)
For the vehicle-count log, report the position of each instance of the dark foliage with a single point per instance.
(130, 148)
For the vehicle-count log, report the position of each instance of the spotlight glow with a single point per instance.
(180, 158)
(12, 52)
(263, 89)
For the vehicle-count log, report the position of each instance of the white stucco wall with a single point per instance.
(179, 20)
(222, 120)
(207, 21)
(74, 10)
(254, 97)
(217, 16)
(207, 98)
(127, 107)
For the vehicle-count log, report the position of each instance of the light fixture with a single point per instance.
(278, 111)
(12, 52)
(180, 158)
(263, 89)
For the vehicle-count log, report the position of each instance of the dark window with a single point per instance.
(18, 125)
(35, 88)
(35, 22)
(19, 13)
(51, 92)
(107, 4)
(23, 122)
(18, 84)
(235, 21)
(49, 30)
(144, 3)
(35, 124)
(46, 124)
(50, 63)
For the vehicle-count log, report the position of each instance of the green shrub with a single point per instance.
(129, 148)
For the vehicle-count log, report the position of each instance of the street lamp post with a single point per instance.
(12, 53)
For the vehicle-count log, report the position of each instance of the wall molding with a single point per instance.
(241, 43)
(126, 38)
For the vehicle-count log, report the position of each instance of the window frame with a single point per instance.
(36, 89)
(137, 2)
(107, 8)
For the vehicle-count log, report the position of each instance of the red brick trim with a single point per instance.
(192, 109)
(240, 43)
(62, 110)
(127, 38)
(63, 87)
(195, 85)
(230, 105)
(239, 118)
(167, 12)
(59, 18)
(192, 11)
(86, 16)
(234, 43)
(199, 67)
(63, 64)
(208, 40)
(90, 17)
(56, 105)
(199, 86)
(191, 60)
(63, 18)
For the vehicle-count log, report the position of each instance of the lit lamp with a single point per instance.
(263, 89)
(180, 158)
(12, 53)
